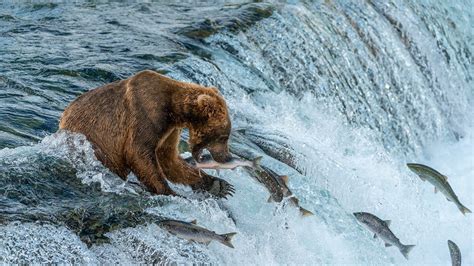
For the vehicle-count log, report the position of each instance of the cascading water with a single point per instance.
(337, 95)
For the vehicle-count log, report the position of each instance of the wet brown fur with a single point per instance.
(135, 125)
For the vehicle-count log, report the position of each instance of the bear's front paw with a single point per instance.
(221, 188)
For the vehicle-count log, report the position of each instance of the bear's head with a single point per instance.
(211, 127)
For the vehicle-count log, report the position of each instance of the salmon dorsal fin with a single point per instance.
(284, 178)
(445, 178)
(388, 222)
(241, 130)
(194, 222)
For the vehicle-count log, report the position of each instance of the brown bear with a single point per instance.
(135, 125)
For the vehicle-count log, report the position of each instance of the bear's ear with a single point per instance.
(207, 105)
(215, 89)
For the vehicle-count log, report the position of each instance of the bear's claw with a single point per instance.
(221, 188)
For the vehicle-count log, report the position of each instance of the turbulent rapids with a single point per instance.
(338, 96)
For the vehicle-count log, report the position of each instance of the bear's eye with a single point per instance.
(224, 137)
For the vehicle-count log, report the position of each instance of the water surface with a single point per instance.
(338, 95)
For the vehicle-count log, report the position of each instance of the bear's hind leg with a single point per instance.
(118, 166)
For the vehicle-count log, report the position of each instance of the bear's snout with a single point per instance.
(220, 153)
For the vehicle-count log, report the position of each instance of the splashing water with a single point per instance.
(338, 96)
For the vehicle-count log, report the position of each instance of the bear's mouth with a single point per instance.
(197, 154)
(219, 153)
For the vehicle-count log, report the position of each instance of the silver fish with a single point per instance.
(207, 162)
(192, 232)
(380, 229)
(440, 182)
(455, 253)
(277, 185)
(274, 145)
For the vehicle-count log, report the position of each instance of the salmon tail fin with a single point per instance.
(304, 212)
(256, 162)
(464, 210)
(227, 239)
(406, 249)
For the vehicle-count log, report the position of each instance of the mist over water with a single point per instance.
(337, 95)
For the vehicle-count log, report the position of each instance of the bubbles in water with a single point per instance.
(348, 91)
(30, 243)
